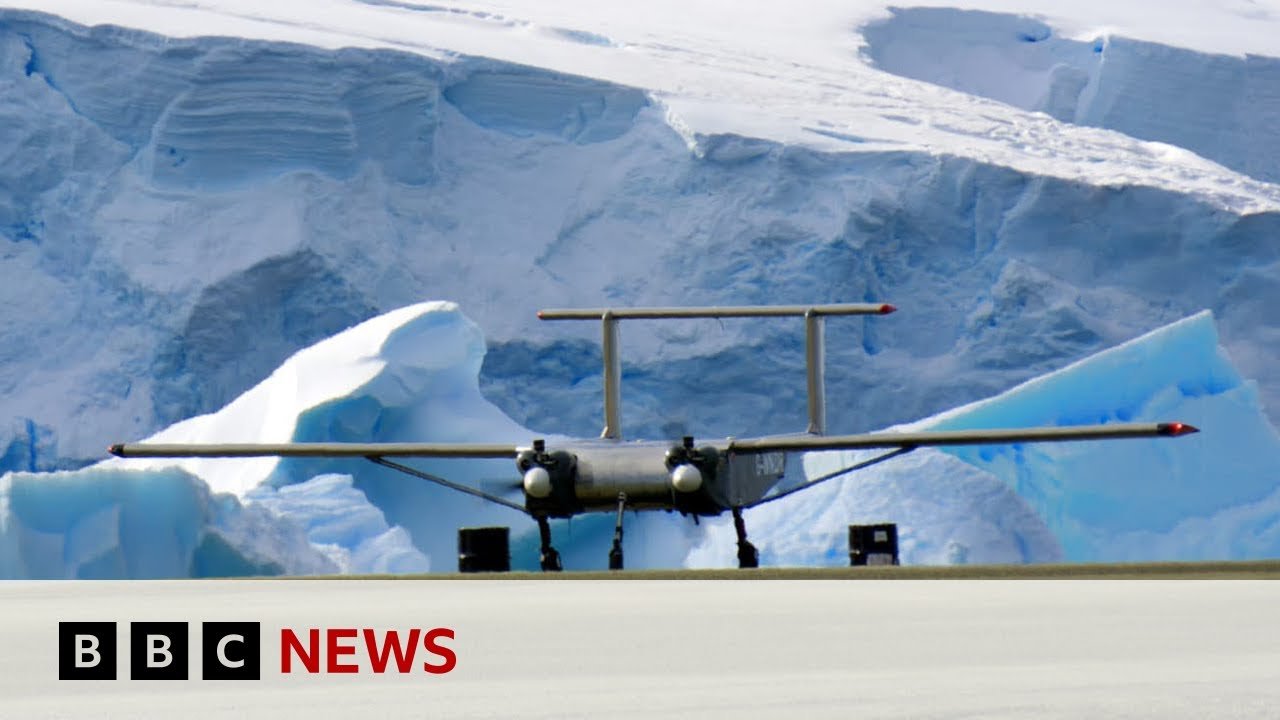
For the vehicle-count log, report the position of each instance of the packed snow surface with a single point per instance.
(412, 375)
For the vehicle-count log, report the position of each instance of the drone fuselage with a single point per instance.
(591, 476)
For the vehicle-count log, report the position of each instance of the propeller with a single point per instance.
(501, 486)
(536, 482)
(535, 478)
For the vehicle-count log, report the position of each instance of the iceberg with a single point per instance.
(109, 523)
(1211, 496)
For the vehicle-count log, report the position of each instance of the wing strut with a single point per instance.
(446, 483)
(829, 476)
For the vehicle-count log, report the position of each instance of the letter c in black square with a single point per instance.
(232, 650)
(86, 651)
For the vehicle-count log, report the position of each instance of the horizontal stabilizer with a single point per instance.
(740, 311)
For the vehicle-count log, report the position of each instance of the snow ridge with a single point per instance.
(1136, 87)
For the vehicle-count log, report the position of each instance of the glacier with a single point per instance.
(180, 214)
(413, 374)
(192, 193)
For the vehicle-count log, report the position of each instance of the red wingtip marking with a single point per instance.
(539, 314)
(886, 308)
(1177, 428)
(116, 450)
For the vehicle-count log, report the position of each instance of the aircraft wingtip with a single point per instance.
(886, 308)
(1177, 428)
(117, 450)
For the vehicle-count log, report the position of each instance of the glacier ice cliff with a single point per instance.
(179, 215)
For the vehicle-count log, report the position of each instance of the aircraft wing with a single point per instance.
(806, 443)
(316, 449)
(375, 452)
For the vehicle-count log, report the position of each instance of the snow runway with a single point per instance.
(1168, 649)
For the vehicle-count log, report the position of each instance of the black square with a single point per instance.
(158, 651)
(232, 650)
(86, 651)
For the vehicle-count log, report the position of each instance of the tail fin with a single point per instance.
(814, 347)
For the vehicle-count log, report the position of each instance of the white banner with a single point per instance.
(651, 649)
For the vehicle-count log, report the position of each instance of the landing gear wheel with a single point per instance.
(548, 556)
(550, 560)
(748, 556)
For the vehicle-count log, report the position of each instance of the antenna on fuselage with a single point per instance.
(814, 355)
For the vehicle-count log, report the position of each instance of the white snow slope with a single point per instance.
(412, 374)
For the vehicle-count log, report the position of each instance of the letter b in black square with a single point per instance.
(86, 651)
(232, 651)
(158, 651)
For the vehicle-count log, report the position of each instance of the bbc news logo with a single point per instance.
(160, 651)
(233, 651)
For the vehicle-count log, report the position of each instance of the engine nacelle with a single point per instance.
(686, 478)
(690, 467)
(537, 482)
(548, 480)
